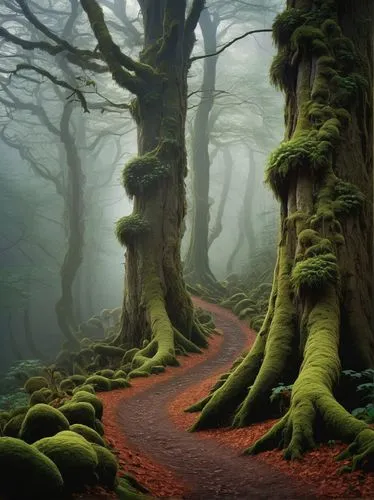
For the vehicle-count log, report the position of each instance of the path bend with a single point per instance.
(208, 469)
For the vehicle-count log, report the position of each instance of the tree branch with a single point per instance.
(113, 55)
(228, 44)
(55, 80)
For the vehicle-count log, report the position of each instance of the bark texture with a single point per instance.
(320, 316)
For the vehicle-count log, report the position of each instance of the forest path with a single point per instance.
(168, 455)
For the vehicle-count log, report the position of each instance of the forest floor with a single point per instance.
(147, 426)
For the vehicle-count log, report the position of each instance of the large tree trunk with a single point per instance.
(197, 268)
(157, 308)
(320, 316)
(73, 199)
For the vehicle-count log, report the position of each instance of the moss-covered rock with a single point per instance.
(42, 421)
(79, 413)
(109, 351)
(106, 373)
(85, 387)
(89, 434)
(25, 473)
(86, 397)
(67, 385)
(74, 456)
(35, 383)
(120, 383)
(41, 396)
(107, 467)
(99, 383)
(78, 379)
(13, 426)
(120, 373)
(99, 428)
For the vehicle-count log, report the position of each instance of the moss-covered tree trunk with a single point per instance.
(197, 268)
(320, 316)
(158, 316)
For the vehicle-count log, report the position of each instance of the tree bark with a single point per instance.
(73, 199)
(157, 308)
(320, 316)
(217, 226)
(197, 268)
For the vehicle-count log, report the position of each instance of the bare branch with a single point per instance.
(55, 80)
(228, 44)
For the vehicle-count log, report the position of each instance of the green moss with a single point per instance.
(281, 71)
(41, 396)
(143, 174)
(99, 428)
(308, 237)
(285, 24)
(131, 228)
(27, 473)
(99, 383)
(107, 372)
(324, 246)
(108, 351)
(67, 385)
(86, 397)
(304, 37)
(348, 199)
(330, 131)
(13, 426)
(42, 421)
(315, 273)
(89, 434)
(107, 467)
(79, 413)
(35, 383)
(78, 379)
(120, 374)
(303, 150)
(119, 383)
(85, 387)
(74, 457)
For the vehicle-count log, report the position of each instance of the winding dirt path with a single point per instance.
(173, 463)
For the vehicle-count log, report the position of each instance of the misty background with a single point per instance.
(43, 128)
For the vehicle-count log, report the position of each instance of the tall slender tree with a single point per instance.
(321, 315)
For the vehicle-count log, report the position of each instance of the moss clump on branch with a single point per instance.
(143, 174)
(285, 24)
(131, 228)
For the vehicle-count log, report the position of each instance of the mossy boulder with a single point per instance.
(13, 426)
(99, 428)
(74, 457)
(120, 383)
(41, 396)
(87, 397)
(107, 467)
(120, 374)
(35, 383)
(67, 385)
(25, 473)
(78, 379)
(106, 373)
(99, 383)
(79, 413)
(85, 387)
(109, 351)
(4, 418)
(89, 434)
(42, 421)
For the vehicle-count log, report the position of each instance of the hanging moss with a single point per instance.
(315, 273)
(142, 174)
(281, 71)
(131, 228)
(349, 199)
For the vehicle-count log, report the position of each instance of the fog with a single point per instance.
(44, 127)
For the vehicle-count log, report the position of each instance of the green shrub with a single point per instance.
(86, 397)
(99, 383)
(107, 467)
(79, 413)
(35, 383)
(89, 434)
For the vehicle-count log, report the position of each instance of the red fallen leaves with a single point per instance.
(317, 468)
(158, 479)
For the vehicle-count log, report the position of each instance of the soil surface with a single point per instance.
(179, 464)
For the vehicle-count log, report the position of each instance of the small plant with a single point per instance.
(281, 395)
(365, 391)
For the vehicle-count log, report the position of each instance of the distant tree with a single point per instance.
(320, 317)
